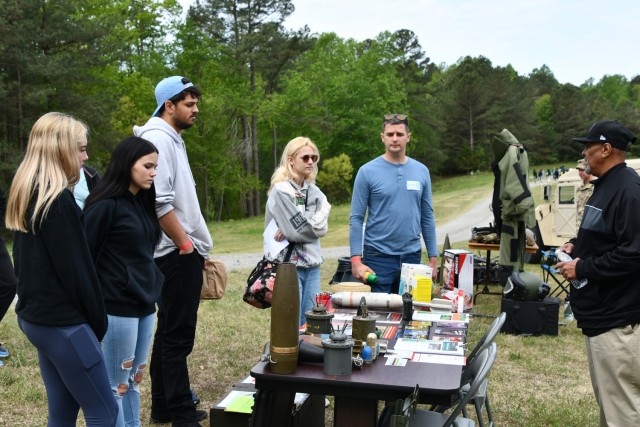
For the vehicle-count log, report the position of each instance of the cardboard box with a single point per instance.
(408, 274)
(458, 270)
(422, 290)
(307, 410)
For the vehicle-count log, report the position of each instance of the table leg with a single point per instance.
(486, 279)
(487, 273)
(272, 408)
(353, 411)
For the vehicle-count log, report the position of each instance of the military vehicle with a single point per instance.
(556, 219)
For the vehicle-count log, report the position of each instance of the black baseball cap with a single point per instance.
(610, 131)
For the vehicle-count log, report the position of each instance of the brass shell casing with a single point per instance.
(363, 326)
(285, 315)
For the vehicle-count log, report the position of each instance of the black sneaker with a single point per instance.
(162, 419)
(198, 416)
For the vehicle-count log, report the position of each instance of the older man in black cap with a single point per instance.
(607, 254)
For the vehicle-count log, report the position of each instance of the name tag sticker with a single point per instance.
(413, 185)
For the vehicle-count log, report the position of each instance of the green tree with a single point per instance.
(338, 93)
(251, 33)
(334, 178)
(571, 117)
(416, 72)
(72, 56)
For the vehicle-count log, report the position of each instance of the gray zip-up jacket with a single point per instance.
(286, 205)
(175, 186)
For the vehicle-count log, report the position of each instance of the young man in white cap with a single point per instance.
(607, 254)
(180, 254)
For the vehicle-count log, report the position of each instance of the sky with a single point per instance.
(576, 39)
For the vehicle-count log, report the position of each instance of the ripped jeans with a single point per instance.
(126, 348)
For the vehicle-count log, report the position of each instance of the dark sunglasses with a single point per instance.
(306, 158)
(396, 118)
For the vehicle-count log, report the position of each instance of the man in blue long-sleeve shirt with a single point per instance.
(394, 192)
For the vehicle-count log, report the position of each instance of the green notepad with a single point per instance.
(242, 404)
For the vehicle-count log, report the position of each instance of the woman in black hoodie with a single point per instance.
(60, 306)
(123, 231)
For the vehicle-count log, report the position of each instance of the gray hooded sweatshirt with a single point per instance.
(302, 214)
(175, 186)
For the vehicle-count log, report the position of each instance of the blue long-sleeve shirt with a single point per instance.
(396, 199)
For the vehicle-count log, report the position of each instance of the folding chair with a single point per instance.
(549, 259)
(407, 415)
(481, 399)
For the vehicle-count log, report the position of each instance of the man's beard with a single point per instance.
(182, 125)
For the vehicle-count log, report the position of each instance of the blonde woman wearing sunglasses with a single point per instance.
(301, 212)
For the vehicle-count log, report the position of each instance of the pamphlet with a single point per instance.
(452, 348)
(442, 359)
(272, 247)
(242, 404)
(425, 316)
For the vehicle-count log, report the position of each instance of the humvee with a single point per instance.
(556, 219)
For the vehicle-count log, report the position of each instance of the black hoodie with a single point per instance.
(121, 238)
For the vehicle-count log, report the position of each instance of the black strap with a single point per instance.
(289, 252)
(292, 244)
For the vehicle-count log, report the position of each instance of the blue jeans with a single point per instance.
(309, 284)
(74, 374)
(126, 349)
(388, 268)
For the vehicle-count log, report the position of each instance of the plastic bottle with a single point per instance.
(370, 278)
(372, 341)
(577, 283)
(460, 301)
(367, 355)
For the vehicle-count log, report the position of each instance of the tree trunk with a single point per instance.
(471, 141)
(246, 142)
(257, 209)
(256, 164)
(205, 196)
(275, 147)
(22, 140)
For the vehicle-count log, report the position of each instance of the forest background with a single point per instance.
(263, 85)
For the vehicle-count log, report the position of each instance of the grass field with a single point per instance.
(537, 381)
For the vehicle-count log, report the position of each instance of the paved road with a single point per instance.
(458, 230)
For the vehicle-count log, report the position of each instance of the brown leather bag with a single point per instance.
(214, 279)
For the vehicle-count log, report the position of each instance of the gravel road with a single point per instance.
(458, 230)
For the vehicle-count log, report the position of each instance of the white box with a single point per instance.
(407, 274)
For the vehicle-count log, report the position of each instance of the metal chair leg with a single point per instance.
(479, 412)
(489, 412)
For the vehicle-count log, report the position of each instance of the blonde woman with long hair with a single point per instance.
(60, 306)
(301, 213)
